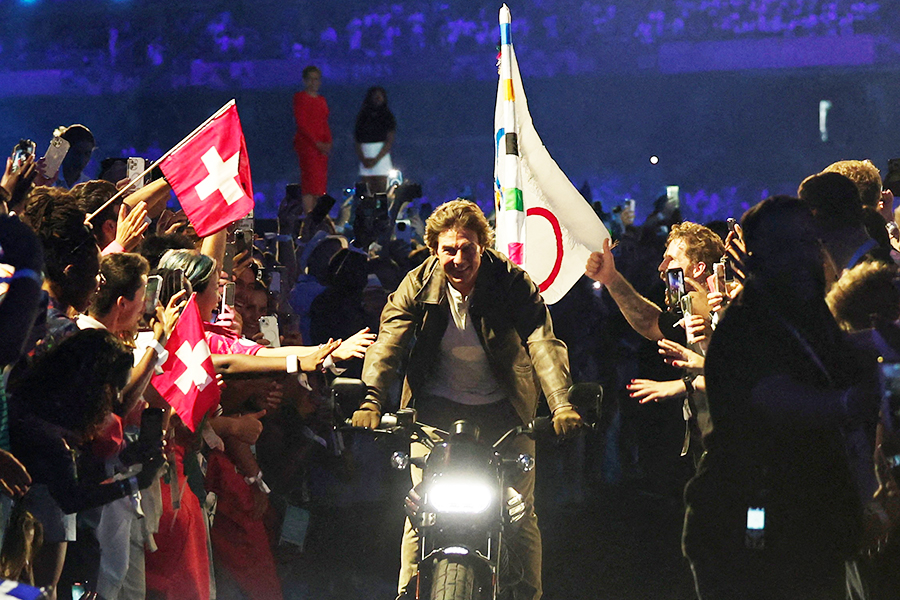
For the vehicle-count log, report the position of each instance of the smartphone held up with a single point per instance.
(675, 289)
(20, 154)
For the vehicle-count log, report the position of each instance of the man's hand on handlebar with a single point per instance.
(566, 421)
(367, 416)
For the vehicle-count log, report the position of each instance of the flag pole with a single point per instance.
(185, 140)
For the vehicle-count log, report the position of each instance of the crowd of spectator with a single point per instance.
(94, 495)
(136, 40)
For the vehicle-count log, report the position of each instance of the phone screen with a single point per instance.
(151, 424)
(716, 281)
(672, 196)
(21, 152)
(890, 374)
(151, 296)
(756, 519)
(687, 304)
(228, 296)
(675, 289)
(178, 280)
(228, 258)
(275, 283)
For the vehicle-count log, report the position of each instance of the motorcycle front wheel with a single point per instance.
(453, 580)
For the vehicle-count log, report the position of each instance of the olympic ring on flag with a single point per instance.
(557, 233)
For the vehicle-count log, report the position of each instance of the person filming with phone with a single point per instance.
(774, 510)
(689, 258)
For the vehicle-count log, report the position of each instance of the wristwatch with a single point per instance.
(689, 384)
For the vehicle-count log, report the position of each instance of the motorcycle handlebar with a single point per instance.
(388, 421)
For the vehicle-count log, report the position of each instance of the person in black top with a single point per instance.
(374, 135)
(775, 510)
(56, 408)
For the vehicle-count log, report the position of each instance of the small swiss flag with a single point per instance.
(210, 173)
(188, 382)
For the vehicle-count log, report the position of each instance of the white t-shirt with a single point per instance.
(463, 374)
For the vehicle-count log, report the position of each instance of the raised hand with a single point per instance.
(248, 427)
(19, 183)
(313, 362)
(14, 479)
(647, 390)
(131, 225)
(355, 345)
(167, 316)
(601, 266)
(737, 252)
(678, 356)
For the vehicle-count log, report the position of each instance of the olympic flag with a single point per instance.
(543, 222)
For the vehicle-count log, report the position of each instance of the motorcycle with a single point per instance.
(465, 507)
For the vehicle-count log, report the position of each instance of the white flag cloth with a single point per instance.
(543, 223)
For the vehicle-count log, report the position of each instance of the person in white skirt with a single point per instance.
(374, 134)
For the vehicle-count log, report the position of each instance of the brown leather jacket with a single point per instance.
(511, 321)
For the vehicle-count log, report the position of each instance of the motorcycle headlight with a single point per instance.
(460, 496)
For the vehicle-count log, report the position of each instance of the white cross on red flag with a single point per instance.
(210, 173)
(188, 381)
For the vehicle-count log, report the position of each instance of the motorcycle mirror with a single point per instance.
(352, 391)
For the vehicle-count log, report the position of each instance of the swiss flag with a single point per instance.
(210, 173)
(188, 382)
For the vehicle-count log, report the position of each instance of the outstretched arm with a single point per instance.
(641, 314)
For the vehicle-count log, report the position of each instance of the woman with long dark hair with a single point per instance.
(57, 407)
(374, 135)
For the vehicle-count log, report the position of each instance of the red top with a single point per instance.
(222, 340)
(311, 114)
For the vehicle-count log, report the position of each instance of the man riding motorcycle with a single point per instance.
(476, 339)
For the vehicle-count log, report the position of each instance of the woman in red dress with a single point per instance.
(312, 141)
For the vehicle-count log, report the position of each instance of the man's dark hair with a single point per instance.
(833, 200)
(154, 246)
(108, 164)
(764, 239)
(93, 194)
(311, 69)
(123, 274)
(76, 133)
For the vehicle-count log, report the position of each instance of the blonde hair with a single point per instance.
(701, 244)
(458, 214)
(864, 174)
(864, 292)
